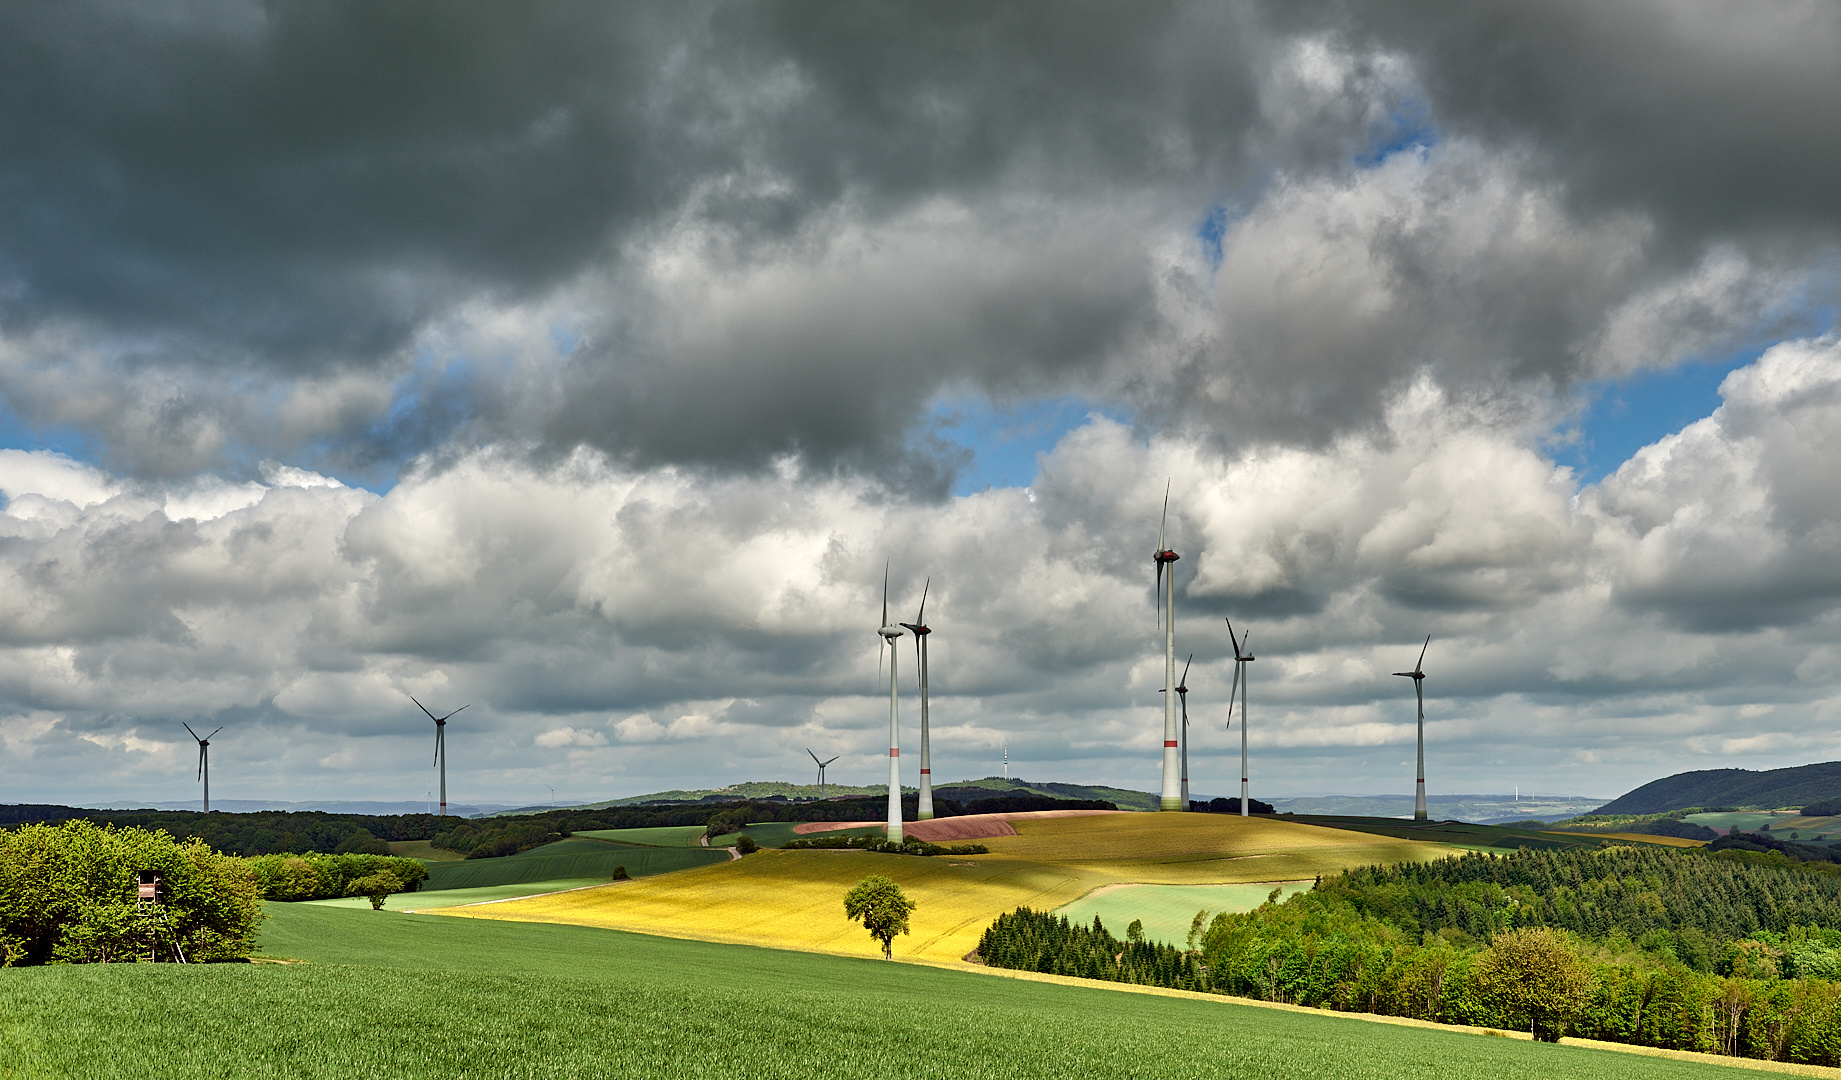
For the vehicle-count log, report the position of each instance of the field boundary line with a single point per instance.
(1759, 1064)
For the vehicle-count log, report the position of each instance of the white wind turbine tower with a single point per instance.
(1418, 677)
(1242, 657)
(1172, 795)
(920, 630)
(440, 745)
(204, 760)
(890, 634)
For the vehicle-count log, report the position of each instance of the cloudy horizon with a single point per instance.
(587, 364)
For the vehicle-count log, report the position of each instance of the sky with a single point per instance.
(585, 364)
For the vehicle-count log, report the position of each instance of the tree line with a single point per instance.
(297, 832)
(1727, 953)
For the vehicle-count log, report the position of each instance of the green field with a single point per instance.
(446, 898)
(407, 996)
(1167, 910)
(572, 858)
(660, 836)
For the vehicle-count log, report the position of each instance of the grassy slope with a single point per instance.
(1167, 910)
(424, 850)
(429, 901)
(412, 996)
(794, 899)
(659, 836)
(572, 858)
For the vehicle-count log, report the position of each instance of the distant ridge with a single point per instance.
(958, 791)
(1768, 790)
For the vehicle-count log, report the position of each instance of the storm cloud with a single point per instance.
(587, 361)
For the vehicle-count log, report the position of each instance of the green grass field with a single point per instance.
(409, 996)
(661, 836)
(572, 858)
(446, 898)
(1167, 910)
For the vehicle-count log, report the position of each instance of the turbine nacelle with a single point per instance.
(890, 632)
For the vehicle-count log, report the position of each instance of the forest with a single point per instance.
(1735, 952)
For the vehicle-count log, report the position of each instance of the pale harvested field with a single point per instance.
(1201, 849)
(795, 899)
(1645, 838)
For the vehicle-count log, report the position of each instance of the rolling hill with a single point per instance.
(1769, 789)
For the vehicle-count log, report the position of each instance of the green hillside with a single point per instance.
(1765, 790)
(572, 858)
(411, 996)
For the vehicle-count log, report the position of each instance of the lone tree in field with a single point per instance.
(878, 904)
(1532, 976)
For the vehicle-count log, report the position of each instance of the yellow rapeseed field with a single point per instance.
(795, 899)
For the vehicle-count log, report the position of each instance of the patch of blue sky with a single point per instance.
(1406, 127)
(16, 434)
(1624, 415)
(1004, 440)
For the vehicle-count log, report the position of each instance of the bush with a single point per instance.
(619, 874)
(745, 844)
(323, 877)
(68, 895)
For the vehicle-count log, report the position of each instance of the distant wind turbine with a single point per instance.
(204, 760)
(1418, 677)
(1182, 695)
(1172, 795)
(1242, 657)
(440, 745)
(890, 634)
(821, 771)
(920, 631)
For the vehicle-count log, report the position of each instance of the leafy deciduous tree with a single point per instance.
(878, 903)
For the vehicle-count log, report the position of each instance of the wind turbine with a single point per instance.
(1182, 695)
(440, 745)
(1241, 659)
(1172, 796)
(204, 760)
(920, 630)
(890, 634)
(1418, 677)
(821, 771)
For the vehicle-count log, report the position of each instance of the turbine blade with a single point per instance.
(1235, 640)
(188, 728)
(885, 597)
(1165, 520)
(201, 761)
(1180, 682)
(922, 617)
(1230, 695)
(809, 753)
(1419, 688)
(1419, 665)
(828, 763)
(213, 735)
(424, 708)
